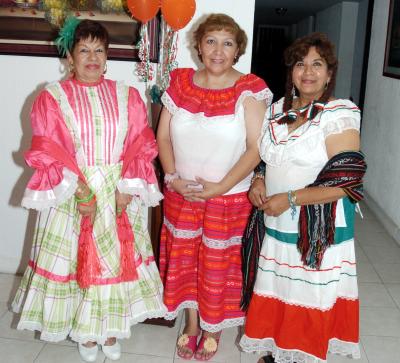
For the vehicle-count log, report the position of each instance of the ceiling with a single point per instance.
(296, 10)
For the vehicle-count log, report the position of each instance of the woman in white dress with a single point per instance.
(305, 299)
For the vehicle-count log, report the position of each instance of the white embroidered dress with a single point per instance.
(296, 312)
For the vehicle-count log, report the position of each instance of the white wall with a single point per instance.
(381, 129)
(359, 50)
(21, 78)
(339, 22)
(328, 21)
(305, 26)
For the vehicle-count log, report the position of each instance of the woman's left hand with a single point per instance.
(209, 190)
(121, 201)
(276, 205)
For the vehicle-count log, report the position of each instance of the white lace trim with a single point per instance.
(336, 346)
(264, 94)
(228, 323)
(182, 233)
(340, 125)
(122, 98)
(213, 328)
(222, 244)
(169, 103)
(100, 339)
(149, 194)
(44, 199)
(171, 315)
(292, 303)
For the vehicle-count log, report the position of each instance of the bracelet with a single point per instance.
(87, 199)
(169, 178)
(257, 176)
(90, 203)
(292, 202)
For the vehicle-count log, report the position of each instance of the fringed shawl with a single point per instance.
(251, 246)
(317, 221)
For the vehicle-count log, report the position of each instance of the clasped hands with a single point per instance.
(198, 190)
(273, 205)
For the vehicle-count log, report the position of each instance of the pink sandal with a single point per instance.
(209, 345)
(187, 341)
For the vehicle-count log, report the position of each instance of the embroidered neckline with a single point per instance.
(293, 114)
(183, 93)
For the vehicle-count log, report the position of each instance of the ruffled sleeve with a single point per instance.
(139, 151)
(52, 183)
(338, 116)
(252, 86)
(171, 96)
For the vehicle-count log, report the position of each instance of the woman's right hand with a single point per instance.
(88, 210)
(185, 188)
(257, 193)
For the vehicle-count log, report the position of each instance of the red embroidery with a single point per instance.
(212, 102)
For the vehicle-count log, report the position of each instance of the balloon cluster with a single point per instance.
(177, 13)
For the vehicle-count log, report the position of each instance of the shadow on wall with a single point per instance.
(19, 187)
(190, 42)
(18, 157)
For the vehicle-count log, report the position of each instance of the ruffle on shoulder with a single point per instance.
(338, 116)
(183, 93)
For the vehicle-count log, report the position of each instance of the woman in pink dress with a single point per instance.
(92, 273)
(208, 149)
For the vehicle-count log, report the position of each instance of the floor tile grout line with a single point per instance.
(37, 356)
(363, 348)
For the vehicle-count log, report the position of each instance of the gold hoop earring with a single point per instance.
(326, 85)
(105, 69)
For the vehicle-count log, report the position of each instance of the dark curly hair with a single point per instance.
(296, 52)
(221, 22)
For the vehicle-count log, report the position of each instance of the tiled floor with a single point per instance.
(379, 284)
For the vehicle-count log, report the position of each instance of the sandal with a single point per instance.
(210, 346)
(186, 341)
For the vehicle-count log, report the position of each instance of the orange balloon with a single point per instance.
(177, 13)
(143, 10)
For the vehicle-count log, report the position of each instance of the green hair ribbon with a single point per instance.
(66, 34)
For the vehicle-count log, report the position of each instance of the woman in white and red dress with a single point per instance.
(305, 299)
(92, 272)
(208, 148)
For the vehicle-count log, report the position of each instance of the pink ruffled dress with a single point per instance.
(95, 124)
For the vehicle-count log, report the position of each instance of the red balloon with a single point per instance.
(177, 13)
(143, 10)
